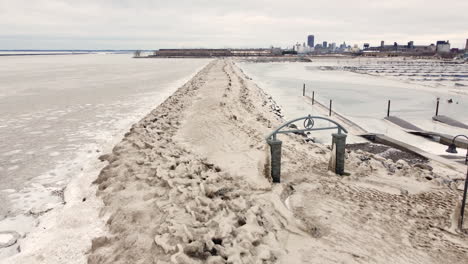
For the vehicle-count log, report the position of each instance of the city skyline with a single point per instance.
(320, 42)
(123, 24)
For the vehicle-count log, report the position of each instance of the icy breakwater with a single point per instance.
(166, 198)
(188, 184)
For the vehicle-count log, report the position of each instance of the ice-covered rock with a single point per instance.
(8, 238)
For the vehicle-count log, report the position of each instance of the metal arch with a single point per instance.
(454, 138)
(453, 142)
(307, 127)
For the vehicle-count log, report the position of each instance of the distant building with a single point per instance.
(466, 50)
(304, 49)
(216, 52)
(443, 46)
(310, 41)
(355, 48)
(297, 47)
(276, 51)
(400, 50)
(325, 44)
(343, 46)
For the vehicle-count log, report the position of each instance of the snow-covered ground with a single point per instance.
(59, 113)
(189, 183)
(363, 98)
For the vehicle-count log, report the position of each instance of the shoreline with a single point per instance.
(187, 185)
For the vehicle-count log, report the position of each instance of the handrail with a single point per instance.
(307, 127)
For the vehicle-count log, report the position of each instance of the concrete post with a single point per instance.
(275, 150)
(340, 142)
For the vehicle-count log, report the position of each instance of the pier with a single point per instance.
(449, 121)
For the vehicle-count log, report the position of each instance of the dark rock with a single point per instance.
(104, 157)
(423, 166)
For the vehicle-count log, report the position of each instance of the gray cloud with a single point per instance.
(146, 24)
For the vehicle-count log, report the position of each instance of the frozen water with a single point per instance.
(433, 73)
(57, 112)
(362, 97)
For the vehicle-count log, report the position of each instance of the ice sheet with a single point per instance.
(362, 98)
(60, 112)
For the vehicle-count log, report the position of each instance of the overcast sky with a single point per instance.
(153, 24)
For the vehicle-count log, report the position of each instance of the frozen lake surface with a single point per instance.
(363, 97)
(59, 112)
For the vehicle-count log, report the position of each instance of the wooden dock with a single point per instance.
(436, 136)
(449, 121)
(403, 123)
(391, 142)
(385, 140)
(350, 125)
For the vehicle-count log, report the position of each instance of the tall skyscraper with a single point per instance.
(310, 40)
(466, 46)
(325, 44)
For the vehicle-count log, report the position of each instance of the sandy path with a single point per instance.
(168, 203)
(225, 127)
(187, 185)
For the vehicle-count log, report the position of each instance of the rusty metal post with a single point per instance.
(303, 90)
(330, 109)
(437, 107)
(313, 97)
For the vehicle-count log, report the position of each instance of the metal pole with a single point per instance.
(437, 107)
(462, 210)
(388, 109)
(303, 90)
(313, 97)
(330, 110)
(464, 200)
